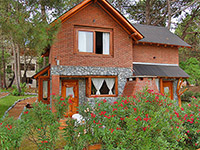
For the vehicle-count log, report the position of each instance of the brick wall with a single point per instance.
(132, 87)
(146, 53)
(63, 47)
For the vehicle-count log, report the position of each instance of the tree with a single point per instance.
(192, 68)
(189, 30)
(24, 30)
(158, 12)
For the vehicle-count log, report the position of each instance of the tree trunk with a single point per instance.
(18, 62)
(4, 68)
(0, 78)
(44, 62)
(14, 48)
(11, 82)
(169, 14)
(147, 12)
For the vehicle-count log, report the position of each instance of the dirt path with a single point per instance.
(3, 95)
(19, 107)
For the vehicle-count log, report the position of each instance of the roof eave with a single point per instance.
(165, 44)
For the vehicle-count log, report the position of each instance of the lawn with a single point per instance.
(8, 101)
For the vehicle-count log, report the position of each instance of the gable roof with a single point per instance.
(110, 10)
(159, 35)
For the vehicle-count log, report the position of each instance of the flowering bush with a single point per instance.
(38, 124)
(148, 120)
(11, 132)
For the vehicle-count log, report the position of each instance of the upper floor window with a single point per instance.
(94, 41)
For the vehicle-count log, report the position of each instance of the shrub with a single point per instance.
(148, 120)
(39, 125)
(11, 133)
(15, 91)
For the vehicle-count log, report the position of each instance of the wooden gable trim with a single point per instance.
(47, 68)
(119, 18)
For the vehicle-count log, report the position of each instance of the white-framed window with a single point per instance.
(94, 41)
(102, 86)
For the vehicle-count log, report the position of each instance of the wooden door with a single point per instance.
(168, 88)
(70, 88)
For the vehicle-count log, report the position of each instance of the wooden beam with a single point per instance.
(161, 86)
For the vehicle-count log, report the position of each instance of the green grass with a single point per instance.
(8, 101)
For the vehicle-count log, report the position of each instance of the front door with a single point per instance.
(70, 88)
(168, 88)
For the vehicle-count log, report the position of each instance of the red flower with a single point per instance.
(114, 109)
(62, 99)
(144, 128)
(135, 109)
(93, 115)
(102, 113)
(126, 107)
(189, 105)
(118, 128)
(104, 100)
(182, 109)
(26, 112)
(53, 94)
(108, 116)
(115, 102)
(194, 97)
(188, 131)
(111, 130)
(122, 118)
(70, 101)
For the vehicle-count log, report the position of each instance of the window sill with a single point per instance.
(92, 55)
(96, 96)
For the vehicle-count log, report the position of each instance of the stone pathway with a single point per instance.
(19, 107)
(3, 95)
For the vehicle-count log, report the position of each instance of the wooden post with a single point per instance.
(179, 93)
(161, 86)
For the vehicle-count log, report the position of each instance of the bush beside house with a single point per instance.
(148, 120)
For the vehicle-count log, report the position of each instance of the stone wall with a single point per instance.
(122, 73)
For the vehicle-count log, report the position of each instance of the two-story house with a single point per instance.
(98, 52)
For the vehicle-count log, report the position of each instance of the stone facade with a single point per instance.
(122, 73)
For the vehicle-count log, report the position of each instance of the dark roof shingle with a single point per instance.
(161, 35)
(159, 71)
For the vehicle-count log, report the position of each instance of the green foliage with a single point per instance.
(127, 123)
(192, 67)
(15, 91)
(11, 132)
(39, 125)
(189, 94)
